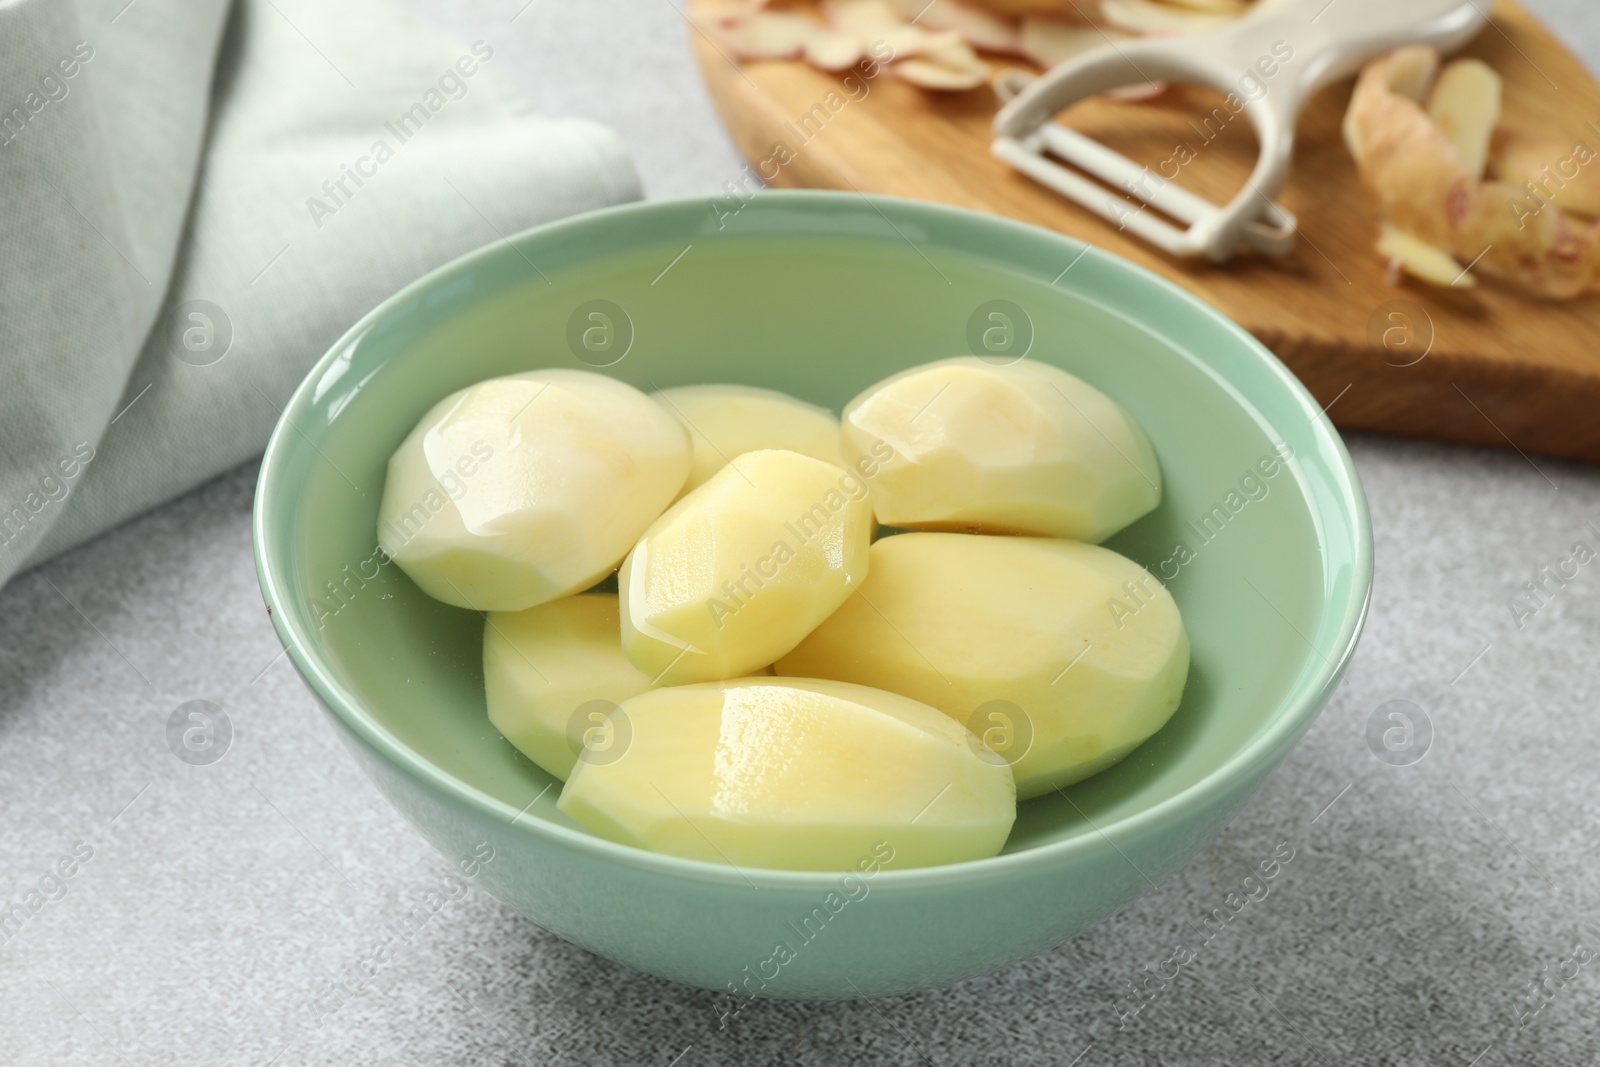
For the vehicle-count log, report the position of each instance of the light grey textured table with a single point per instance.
(211, 907)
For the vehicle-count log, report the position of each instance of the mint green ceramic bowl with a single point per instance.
(820, 295)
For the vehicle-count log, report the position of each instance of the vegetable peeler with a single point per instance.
(1324, 40)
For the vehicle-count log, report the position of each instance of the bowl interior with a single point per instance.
(820, 295)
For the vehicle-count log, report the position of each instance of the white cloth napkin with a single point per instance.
(198, 198)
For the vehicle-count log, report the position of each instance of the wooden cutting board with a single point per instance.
(1500, 369)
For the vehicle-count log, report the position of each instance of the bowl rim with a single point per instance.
(1294, 714)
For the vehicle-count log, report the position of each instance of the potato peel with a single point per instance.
(1424, 187)
(1155, 17)
(1555, 172)
(941, 38)
(751, 33)
(861, 16)
(1083, 12)
(1049, 41)
(981, 29)
(930, 74)
(833, 50)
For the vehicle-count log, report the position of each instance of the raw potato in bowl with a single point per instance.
(726, 421)
(526, 488)
(1077, 653)
(738, 571)
(1023, 448)
(796, 774)
(926, 681)
(552, 673)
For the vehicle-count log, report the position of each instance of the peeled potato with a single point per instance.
(1064, 655)
(738, 571)
(553, 672)
(725, 421)
(522, 489)
(1024, 448)
(797, 774)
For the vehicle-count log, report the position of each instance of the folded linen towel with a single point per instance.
(198, 198)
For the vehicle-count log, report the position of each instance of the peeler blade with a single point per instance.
(1330, 42)
(1210, 230)
(1271, 232)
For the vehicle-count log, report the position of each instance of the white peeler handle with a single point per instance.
(1323, 40)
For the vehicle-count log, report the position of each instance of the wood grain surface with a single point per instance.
(1483, 365)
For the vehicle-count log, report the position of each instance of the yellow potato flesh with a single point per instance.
(551, 673)
(1064, 655)
(1026, 448)
(523, 489)
(738, 571)
(725, 421)
(797, 774)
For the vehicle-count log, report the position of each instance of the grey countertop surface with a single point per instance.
(1443, 913)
